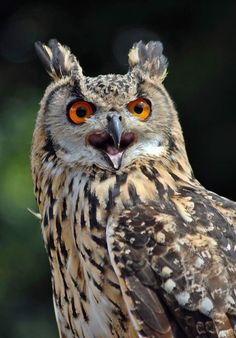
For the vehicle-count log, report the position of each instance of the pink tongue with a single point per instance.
(116, 159)
(112, 150)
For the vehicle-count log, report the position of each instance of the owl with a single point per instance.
(137, 247)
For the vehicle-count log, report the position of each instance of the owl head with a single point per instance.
(108, 121)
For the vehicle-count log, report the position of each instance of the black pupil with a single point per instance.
(138, 108)
(81, 111)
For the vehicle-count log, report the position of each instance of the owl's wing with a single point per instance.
(127, 250)
(130, 244)
(150, 252)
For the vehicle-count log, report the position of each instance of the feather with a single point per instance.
(36, 214)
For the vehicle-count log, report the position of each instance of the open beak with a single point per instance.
(114, 142)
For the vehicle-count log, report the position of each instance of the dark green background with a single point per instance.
(199, 41)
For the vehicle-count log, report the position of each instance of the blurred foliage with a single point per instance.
(199, 40)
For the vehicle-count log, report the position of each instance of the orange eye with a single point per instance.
(140, 108)
(79, 111)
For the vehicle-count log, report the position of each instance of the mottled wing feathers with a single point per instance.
(177, 273)
(129, 255)
(225, 206)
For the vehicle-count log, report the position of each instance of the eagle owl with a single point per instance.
(137, 246)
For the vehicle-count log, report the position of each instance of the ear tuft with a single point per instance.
(148, 61)
(58, 60)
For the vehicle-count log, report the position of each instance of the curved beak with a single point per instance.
(115, 129)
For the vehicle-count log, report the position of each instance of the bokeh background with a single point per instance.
(199, 40)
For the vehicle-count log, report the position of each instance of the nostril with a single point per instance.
(120, 118)
(108, 117)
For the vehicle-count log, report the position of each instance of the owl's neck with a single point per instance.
(143, 181)
(146, 177)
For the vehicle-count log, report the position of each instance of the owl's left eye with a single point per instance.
(140, 108)
(79, 111)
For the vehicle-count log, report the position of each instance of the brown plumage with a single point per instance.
(137, 246)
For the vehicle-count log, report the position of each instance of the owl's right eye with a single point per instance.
(79, 111)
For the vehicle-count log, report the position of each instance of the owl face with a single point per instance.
(108, 121)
